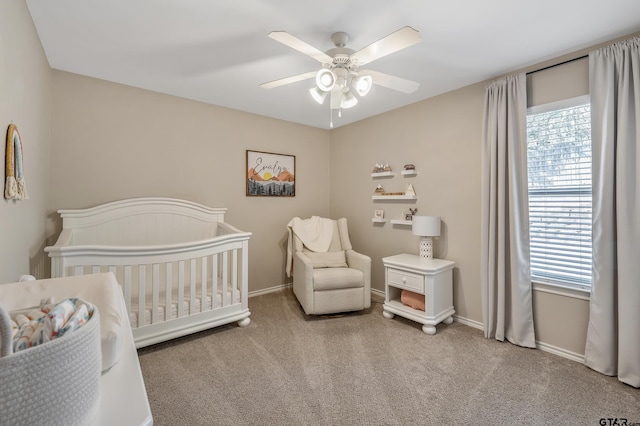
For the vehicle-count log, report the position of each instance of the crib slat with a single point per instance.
(155, 283)
(113, 270)
(95, 269)
(244, 275)
(192, 287)
(234, 276)
(180, 288)
(127, 287)
(225, 277)
(214, 280)
(142, 269)
(168, 294)
(203, 280)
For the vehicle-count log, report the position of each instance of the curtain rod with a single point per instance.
(561, 63)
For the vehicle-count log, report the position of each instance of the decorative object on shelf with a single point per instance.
(378, 214)
(426, 227)
(14, 188)
(409, 167)
(270, 174)
(409, 216)
(380, 168)
(379, 190)
(410, 190)
(387, 194)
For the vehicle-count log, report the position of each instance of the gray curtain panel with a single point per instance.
(507, 307)
(613, 336)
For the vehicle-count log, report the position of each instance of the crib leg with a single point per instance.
(244, 322)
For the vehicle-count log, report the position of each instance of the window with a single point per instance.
(559, 170)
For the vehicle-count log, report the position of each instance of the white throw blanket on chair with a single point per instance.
(316, 233)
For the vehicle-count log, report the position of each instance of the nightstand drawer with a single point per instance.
(406, 280)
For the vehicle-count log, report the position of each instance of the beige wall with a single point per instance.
(441, 137)
(112, 142)
(25, 87)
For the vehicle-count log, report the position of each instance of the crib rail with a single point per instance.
(162, 283)
(181, 267)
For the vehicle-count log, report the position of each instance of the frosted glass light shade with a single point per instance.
(362, 84)
(348, 100)
(325, 79)
(318, 95)
(426, 226)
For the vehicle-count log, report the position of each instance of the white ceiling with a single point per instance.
(218, 52)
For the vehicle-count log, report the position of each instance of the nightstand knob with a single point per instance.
(404, 280)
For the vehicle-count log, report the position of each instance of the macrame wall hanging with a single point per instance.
(14, 188)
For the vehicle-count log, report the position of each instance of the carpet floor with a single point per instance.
(287, 368)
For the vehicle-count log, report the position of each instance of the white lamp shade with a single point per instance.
(362, 84)
(325, 79)
(348, 100)
(318, 95)
(426, 226)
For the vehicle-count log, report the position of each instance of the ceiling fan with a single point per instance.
(340, 74)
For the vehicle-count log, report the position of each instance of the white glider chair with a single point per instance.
(338, 280)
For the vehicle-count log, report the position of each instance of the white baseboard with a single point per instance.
(564, 353)
(269, 290)
(469, 322)
(377, 292)
(560, 352)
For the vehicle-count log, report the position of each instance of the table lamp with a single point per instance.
(426, 227)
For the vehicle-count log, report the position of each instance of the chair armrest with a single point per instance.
(362, 262)
(303, 280)
(358, 260)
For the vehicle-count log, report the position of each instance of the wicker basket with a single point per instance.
(56, 383)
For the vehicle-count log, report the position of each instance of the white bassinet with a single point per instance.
(165, 253)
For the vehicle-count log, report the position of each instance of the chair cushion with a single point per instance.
(329, 259)
(336, 278)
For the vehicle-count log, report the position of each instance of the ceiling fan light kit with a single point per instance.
(339, 73)
(362, 84)
(318, 95)
(325, 79)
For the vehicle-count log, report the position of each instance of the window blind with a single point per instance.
(559, 179)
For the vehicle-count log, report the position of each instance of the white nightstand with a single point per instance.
(431, 277)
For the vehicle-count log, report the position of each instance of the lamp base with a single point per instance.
(426, 248)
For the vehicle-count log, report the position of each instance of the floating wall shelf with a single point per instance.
(382, 174)
(401, 222)
(394, 197)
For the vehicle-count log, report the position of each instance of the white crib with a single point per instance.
(182, 269)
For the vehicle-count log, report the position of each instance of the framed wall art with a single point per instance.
(270, 175)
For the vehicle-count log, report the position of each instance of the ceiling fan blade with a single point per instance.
(392, 82)
(301, 46)
(398, 40)
(287, 80)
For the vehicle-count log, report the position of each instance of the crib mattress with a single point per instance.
(133, 315)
